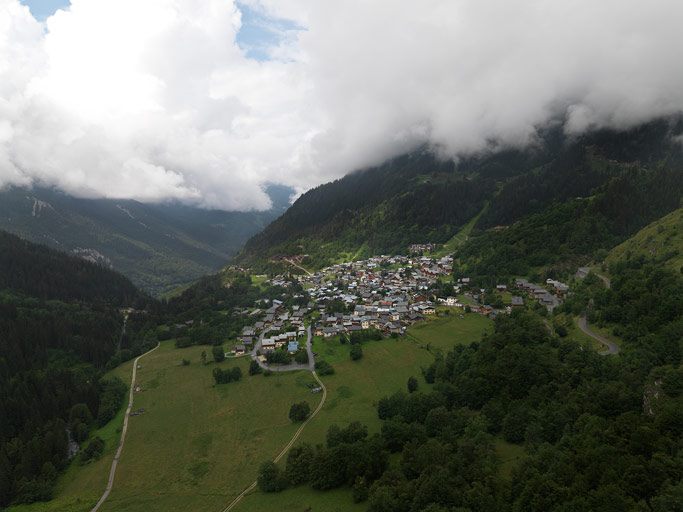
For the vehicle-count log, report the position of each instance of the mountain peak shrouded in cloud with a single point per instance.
(163, 99)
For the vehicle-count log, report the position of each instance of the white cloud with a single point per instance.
(155, 100)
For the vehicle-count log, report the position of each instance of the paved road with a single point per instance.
(246, 491)
(611, 348)
(115, 462)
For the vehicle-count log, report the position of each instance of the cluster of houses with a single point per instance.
(387, 293)
(421, 248)
(281, 325)
(543, 294)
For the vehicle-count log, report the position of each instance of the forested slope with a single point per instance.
(556, 203)
(60, 325)
(45, 273)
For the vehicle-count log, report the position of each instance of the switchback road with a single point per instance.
(611, 348)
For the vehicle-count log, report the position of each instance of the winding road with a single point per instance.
(115, 462)
(606, 280)
(246, 491)
(611, 348)
(291, 367)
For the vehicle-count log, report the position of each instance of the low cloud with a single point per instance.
(156, 100)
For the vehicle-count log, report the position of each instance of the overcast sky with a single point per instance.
(209, 101)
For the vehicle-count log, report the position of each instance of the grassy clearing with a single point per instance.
(460, 237)
(347, 256)
(176, 291)
(510, 455)
(661, 240)
(356, 386)
(445, 332)
(199, 445)
(464, 299)
(259, 280)
(300, 499)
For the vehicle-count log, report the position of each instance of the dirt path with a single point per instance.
(606, 280)
(298, 432)
(297, 266)
(611, 348)
(115, 462)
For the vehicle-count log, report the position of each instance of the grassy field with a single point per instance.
(79, 488)
(197, 446)
(445, 332)
(663, 240)
(300, 499)
(352, 395)
(259, 280)
(510, 455)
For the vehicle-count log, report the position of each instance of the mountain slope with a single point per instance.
(47, 274)
(60, 325)
(157, 246)
(661, 241)
(417, 199)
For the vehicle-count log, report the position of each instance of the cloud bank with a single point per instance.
(156, 100)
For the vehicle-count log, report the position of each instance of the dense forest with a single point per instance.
(556, 203)
(60, 327)
(589, 441)
(568, 234)
(44, 273)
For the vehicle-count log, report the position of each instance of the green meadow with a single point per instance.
(354, 390)
(443, 333)
(197, 445)
(352, 395)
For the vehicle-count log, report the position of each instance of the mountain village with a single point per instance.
(384, 293)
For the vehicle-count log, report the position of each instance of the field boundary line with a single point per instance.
(119, 450)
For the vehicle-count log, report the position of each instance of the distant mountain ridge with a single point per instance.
(594, 190)
(47, 274)
(158, 246)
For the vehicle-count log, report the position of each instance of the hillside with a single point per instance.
(596, 190)
(661, 241)
(47, 274)
(60, 326)
(158, 246)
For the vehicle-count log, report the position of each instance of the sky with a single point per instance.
(209, 102)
